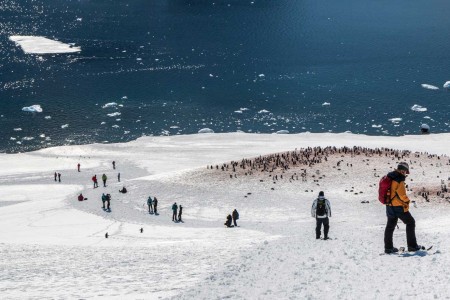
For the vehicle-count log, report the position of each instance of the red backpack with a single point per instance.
(384, 190)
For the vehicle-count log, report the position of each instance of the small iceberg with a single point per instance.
(64, 126)
(418, 108)
(114, 114)
(111, 104)
(396, 120)
(326, 104)
(33, 108)
(42, 45)
(429, 86)
(447, 85)
(263, 111)
(206, 130)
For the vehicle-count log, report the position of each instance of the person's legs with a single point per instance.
(389, 232)
(234, 221)
(326, 227)
(408, 219)
(107, 204)
(318, 227)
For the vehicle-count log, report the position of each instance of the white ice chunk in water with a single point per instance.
(206, 130)
(261, 75)
(33, 108)
(18, 129)
(447, 85)
(64, 126)
(396, 120)
(114, 114)
(115, 126)
(326, 104)
(418, 108)
(263, 111)
(47, 117)
(42, 45)
(110, 104)
(238, 111)
(429, 86)
(376, 126)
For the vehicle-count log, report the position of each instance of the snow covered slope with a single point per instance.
(53, 246)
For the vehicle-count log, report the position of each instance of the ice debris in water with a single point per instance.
(111, 104)
(263, 111)
(114, 114)
(33, 108)
(64, 126)
(326, 104)
(47, 117)
(18, 129)
(429, 86)
(396, 120)
(206, 130)
(418, 108)
(447, 85)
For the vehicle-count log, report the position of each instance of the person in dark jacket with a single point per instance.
(321, 210)
(235, 216)
(80, 197)
(174, 210)
(59, 177)
(123, 190)
(108, 201)
(180, 212)
(56, 175)
(228, 221)
(94, 179)
(398, 208)
(155, 205)
(150, 205)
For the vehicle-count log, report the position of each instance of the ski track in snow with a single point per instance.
(53, 246)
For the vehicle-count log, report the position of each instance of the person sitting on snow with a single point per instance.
(228, 221)
(123, 190)
(80, 197)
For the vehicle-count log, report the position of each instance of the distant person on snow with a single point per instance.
(123, 190)
(155, 204)
(80, 197)
(320, 210)
(174, 210)
(180, 212)
(104, 179)
(59, 177)
(398, 208)
(114, 164)
(78, 167)
(228, 221)
(235, 216)
(103, 200)
(150, 205)
(56, 175)
(108, 201)
(94, 179)
(118, 177)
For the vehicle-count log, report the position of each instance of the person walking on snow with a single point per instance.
(155, 204)
(174, 210)
(78, 167)
(103, 200)
(150, 205)
(114, 164)
(235, 216)
(180, 213)
(56, 175)
(59, 177)
(94, 179)
(118, 177)
(104, 179)
(321, 210)
(398, 208)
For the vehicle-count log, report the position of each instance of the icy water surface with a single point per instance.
(177, 66)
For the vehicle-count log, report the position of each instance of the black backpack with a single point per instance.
(321, 209)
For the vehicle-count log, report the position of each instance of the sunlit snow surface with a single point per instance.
(53, 246)
(42, 45)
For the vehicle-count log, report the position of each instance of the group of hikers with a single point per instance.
(152, 205)
(397, 207)
(177, 217)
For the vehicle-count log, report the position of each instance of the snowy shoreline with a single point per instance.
(272, 255)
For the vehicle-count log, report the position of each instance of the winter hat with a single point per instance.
(403, 166)
(321, 193)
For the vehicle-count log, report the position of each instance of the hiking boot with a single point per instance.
(317, 237)
(391, 250)
(416, 248)
(326, 238)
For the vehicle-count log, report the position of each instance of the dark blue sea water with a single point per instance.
(177, 66)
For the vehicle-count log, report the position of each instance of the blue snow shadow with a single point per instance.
(418, 253)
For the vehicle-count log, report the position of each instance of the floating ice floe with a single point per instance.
(47, 117)
(110, 104)
(115, 126)
(418, 108)
(429, 86)
(79, 19)
(263, 111)
(376, 126)
(238, 111)
(114, 114)
(244, 108)
(396, 120)
(282, 132)
(18, 129)
(261, 75)
(326, 104)
(64, 126)
(27, 138)
(33, 108)
(447, 85)
(206, 130)
(42, 45)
